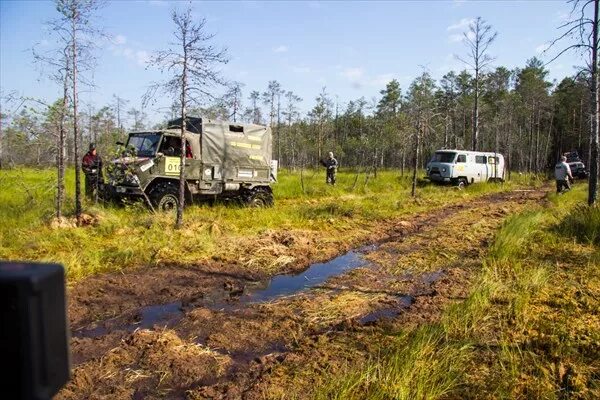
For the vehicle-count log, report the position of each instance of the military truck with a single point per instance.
(223, 160)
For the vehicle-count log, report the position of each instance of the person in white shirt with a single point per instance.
(562, 173)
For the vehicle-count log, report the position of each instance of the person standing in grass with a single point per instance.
(92, 168)
(562, 173)
(331, 164)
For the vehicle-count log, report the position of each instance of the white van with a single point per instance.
(461, 167)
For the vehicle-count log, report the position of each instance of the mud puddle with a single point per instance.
(315, 275)
(237, 297)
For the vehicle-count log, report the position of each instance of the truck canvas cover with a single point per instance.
(236, 147)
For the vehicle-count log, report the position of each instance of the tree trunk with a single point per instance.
(476, 109)
(75, 128)
(416, 163)
(593, 183)
(181, 203)
(60, 161)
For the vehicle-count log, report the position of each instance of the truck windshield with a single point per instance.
(443, 156)
(144, 144)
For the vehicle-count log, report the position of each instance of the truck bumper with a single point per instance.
(119, 192)
(439, 178)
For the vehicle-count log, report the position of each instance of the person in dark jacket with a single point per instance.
(92, 168)
(331, 164)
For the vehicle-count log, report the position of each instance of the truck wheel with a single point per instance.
(461, 183)
(165, 197)
(259, 198)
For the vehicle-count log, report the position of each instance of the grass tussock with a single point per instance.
(420, 365)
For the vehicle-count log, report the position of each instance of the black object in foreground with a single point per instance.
(34, 352)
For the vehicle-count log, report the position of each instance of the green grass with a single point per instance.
(583, 224)
(529, 328)
(421, 365)
(126, 237)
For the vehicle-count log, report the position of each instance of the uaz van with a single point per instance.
(461, 167)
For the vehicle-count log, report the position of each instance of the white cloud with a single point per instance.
(381, 80)
(358, 78)
(353, 74)
(140, 57)
(460, 25)
(301, 69)
(542, 48)
(563, 16)
(455, 37)
(119, 40)
(280, 49)
(160, 3)
(459, 37)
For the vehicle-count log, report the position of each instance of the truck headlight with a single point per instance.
(444, 169)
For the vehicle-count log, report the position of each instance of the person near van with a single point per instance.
(331, 164)
(562, 173)
(92, 168)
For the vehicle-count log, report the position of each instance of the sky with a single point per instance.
(352, 48)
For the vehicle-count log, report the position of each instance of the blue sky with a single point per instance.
(352, 48)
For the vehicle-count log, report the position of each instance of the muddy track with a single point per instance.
(215, 331)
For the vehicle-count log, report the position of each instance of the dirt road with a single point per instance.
(217, 331)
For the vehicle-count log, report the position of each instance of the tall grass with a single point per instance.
(420, 365)
(131, 236)
(488, 331)
(583, 224)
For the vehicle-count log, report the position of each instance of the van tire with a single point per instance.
(165, 197)
(461, 183)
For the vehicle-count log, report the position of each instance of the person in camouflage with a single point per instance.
(331, 164)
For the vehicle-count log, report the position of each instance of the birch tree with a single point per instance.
(191, 61)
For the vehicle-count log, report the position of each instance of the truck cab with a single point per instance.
(222, 159)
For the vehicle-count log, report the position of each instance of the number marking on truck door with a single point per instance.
(172, 165)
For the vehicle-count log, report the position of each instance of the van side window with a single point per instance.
(462, 158)
(236, 128)
(480, 159)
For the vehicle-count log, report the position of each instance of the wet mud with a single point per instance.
(216, 331)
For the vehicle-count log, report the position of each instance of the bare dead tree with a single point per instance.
(255, 113)
(233, 99)
(59, 63)
(75, 31)
(477, 39)
(271, 99)
(191, 60)
(581, 31)
(119, 105)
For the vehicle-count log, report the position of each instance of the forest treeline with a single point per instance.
(522, 114)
